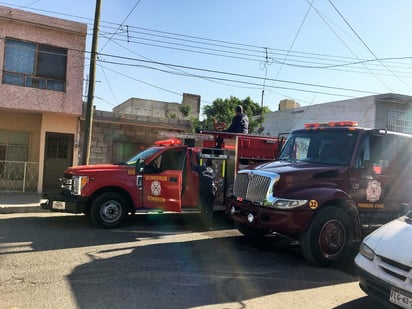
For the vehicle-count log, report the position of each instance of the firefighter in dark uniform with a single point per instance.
(207, 191)
(240, 124)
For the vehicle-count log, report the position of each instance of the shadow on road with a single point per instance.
(157, 263)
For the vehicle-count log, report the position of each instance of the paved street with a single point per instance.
(50, 260)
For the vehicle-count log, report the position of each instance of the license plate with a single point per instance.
(59, 205)
(405, 301)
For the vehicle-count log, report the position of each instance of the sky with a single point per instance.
(310, 51)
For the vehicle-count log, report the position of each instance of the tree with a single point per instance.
(224, 110)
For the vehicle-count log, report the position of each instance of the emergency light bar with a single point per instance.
(169, 142)
(348, 124)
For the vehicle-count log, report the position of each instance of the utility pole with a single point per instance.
(90, 94)
(261, 113)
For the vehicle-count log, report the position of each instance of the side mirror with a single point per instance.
(404, 209)
(139, 166)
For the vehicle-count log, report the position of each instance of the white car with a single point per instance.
(384, 263)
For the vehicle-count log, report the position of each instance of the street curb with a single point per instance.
(20, 209)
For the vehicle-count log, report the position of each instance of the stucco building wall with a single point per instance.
(42, 29)
(41, 111)
(369, 112)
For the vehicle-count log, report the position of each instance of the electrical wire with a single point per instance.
(120, 26)
(347, 46)
(363, 42)
(227, 49)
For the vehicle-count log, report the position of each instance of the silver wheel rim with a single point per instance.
(111, 211)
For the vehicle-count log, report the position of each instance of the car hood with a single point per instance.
(392, 241)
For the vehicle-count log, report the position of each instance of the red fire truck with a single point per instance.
(158, 179)
(332, 184)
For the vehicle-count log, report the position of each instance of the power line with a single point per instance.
(124, 20)
(213, 42)
(363, 42)
(223, 73)
(347, 47)
(236, 46)
(239, 51)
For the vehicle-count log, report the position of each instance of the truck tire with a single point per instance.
(108, 210)
(250, 232)
(329, 238)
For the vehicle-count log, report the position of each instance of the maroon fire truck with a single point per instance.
(332, 184)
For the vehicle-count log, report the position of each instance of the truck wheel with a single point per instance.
(329, 238)
(108, 210)
(250, 232)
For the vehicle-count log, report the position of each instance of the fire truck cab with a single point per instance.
(333, 183)
(161, 178)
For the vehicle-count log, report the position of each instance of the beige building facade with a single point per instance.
(42, 63)
(153, 108)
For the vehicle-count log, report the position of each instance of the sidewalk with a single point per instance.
(20, 202)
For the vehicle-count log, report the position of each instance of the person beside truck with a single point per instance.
(207, 191)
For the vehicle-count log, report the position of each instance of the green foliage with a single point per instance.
(171, 115)
(224, 110)
(185, 109)
(196, 125)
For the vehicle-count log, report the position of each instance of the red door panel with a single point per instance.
(163, 191)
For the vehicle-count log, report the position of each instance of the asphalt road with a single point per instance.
(50, 260)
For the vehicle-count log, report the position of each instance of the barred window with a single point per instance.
(34, 65)
(400, 121)
(14, 147)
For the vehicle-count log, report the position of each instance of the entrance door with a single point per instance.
(58, 156)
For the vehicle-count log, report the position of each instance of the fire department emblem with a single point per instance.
(373, 191)
(156, 188)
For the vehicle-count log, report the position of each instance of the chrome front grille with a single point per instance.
(66, 182)
(252, 186)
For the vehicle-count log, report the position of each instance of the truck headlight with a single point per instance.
(79, 182)
(366, 251)
(287, 204)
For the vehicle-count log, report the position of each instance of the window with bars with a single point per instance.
(400, 121)
(34, 65)
(14, 147)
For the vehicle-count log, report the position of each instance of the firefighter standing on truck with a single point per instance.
(240, 124)
(207, 191)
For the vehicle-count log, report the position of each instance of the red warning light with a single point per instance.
(169, 142)
(346, 124)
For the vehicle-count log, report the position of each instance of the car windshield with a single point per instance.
(320, 146)
(142, 156)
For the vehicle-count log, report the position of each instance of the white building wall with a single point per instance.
(362, 110)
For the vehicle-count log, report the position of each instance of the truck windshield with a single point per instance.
(320, 146)
(142, 156)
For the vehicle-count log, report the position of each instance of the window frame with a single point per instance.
(39, 75)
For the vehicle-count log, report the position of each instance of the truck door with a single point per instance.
(370, 180)
(162, 181)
